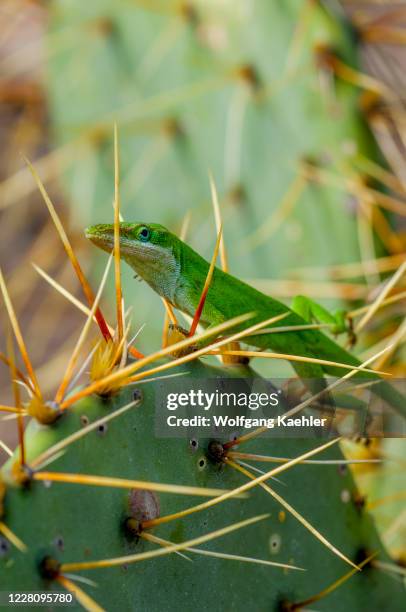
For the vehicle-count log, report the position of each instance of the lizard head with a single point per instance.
(149, 248)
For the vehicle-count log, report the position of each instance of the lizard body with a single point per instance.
(178, 273)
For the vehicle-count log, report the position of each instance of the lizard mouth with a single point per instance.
(104, 240)
(103, 237)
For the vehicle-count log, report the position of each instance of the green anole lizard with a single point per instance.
(177, 273)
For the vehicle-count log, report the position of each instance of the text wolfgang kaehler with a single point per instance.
(206, 404)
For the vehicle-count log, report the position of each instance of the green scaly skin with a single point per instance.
(177, 273)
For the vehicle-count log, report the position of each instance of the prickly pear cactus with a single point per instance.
(63, 523)
(246, 89)
(251, 91)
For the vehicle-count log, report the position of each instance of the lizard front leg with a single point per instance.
(178, 333)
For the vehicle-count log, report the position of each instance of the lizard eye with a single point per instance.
(144, 234)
